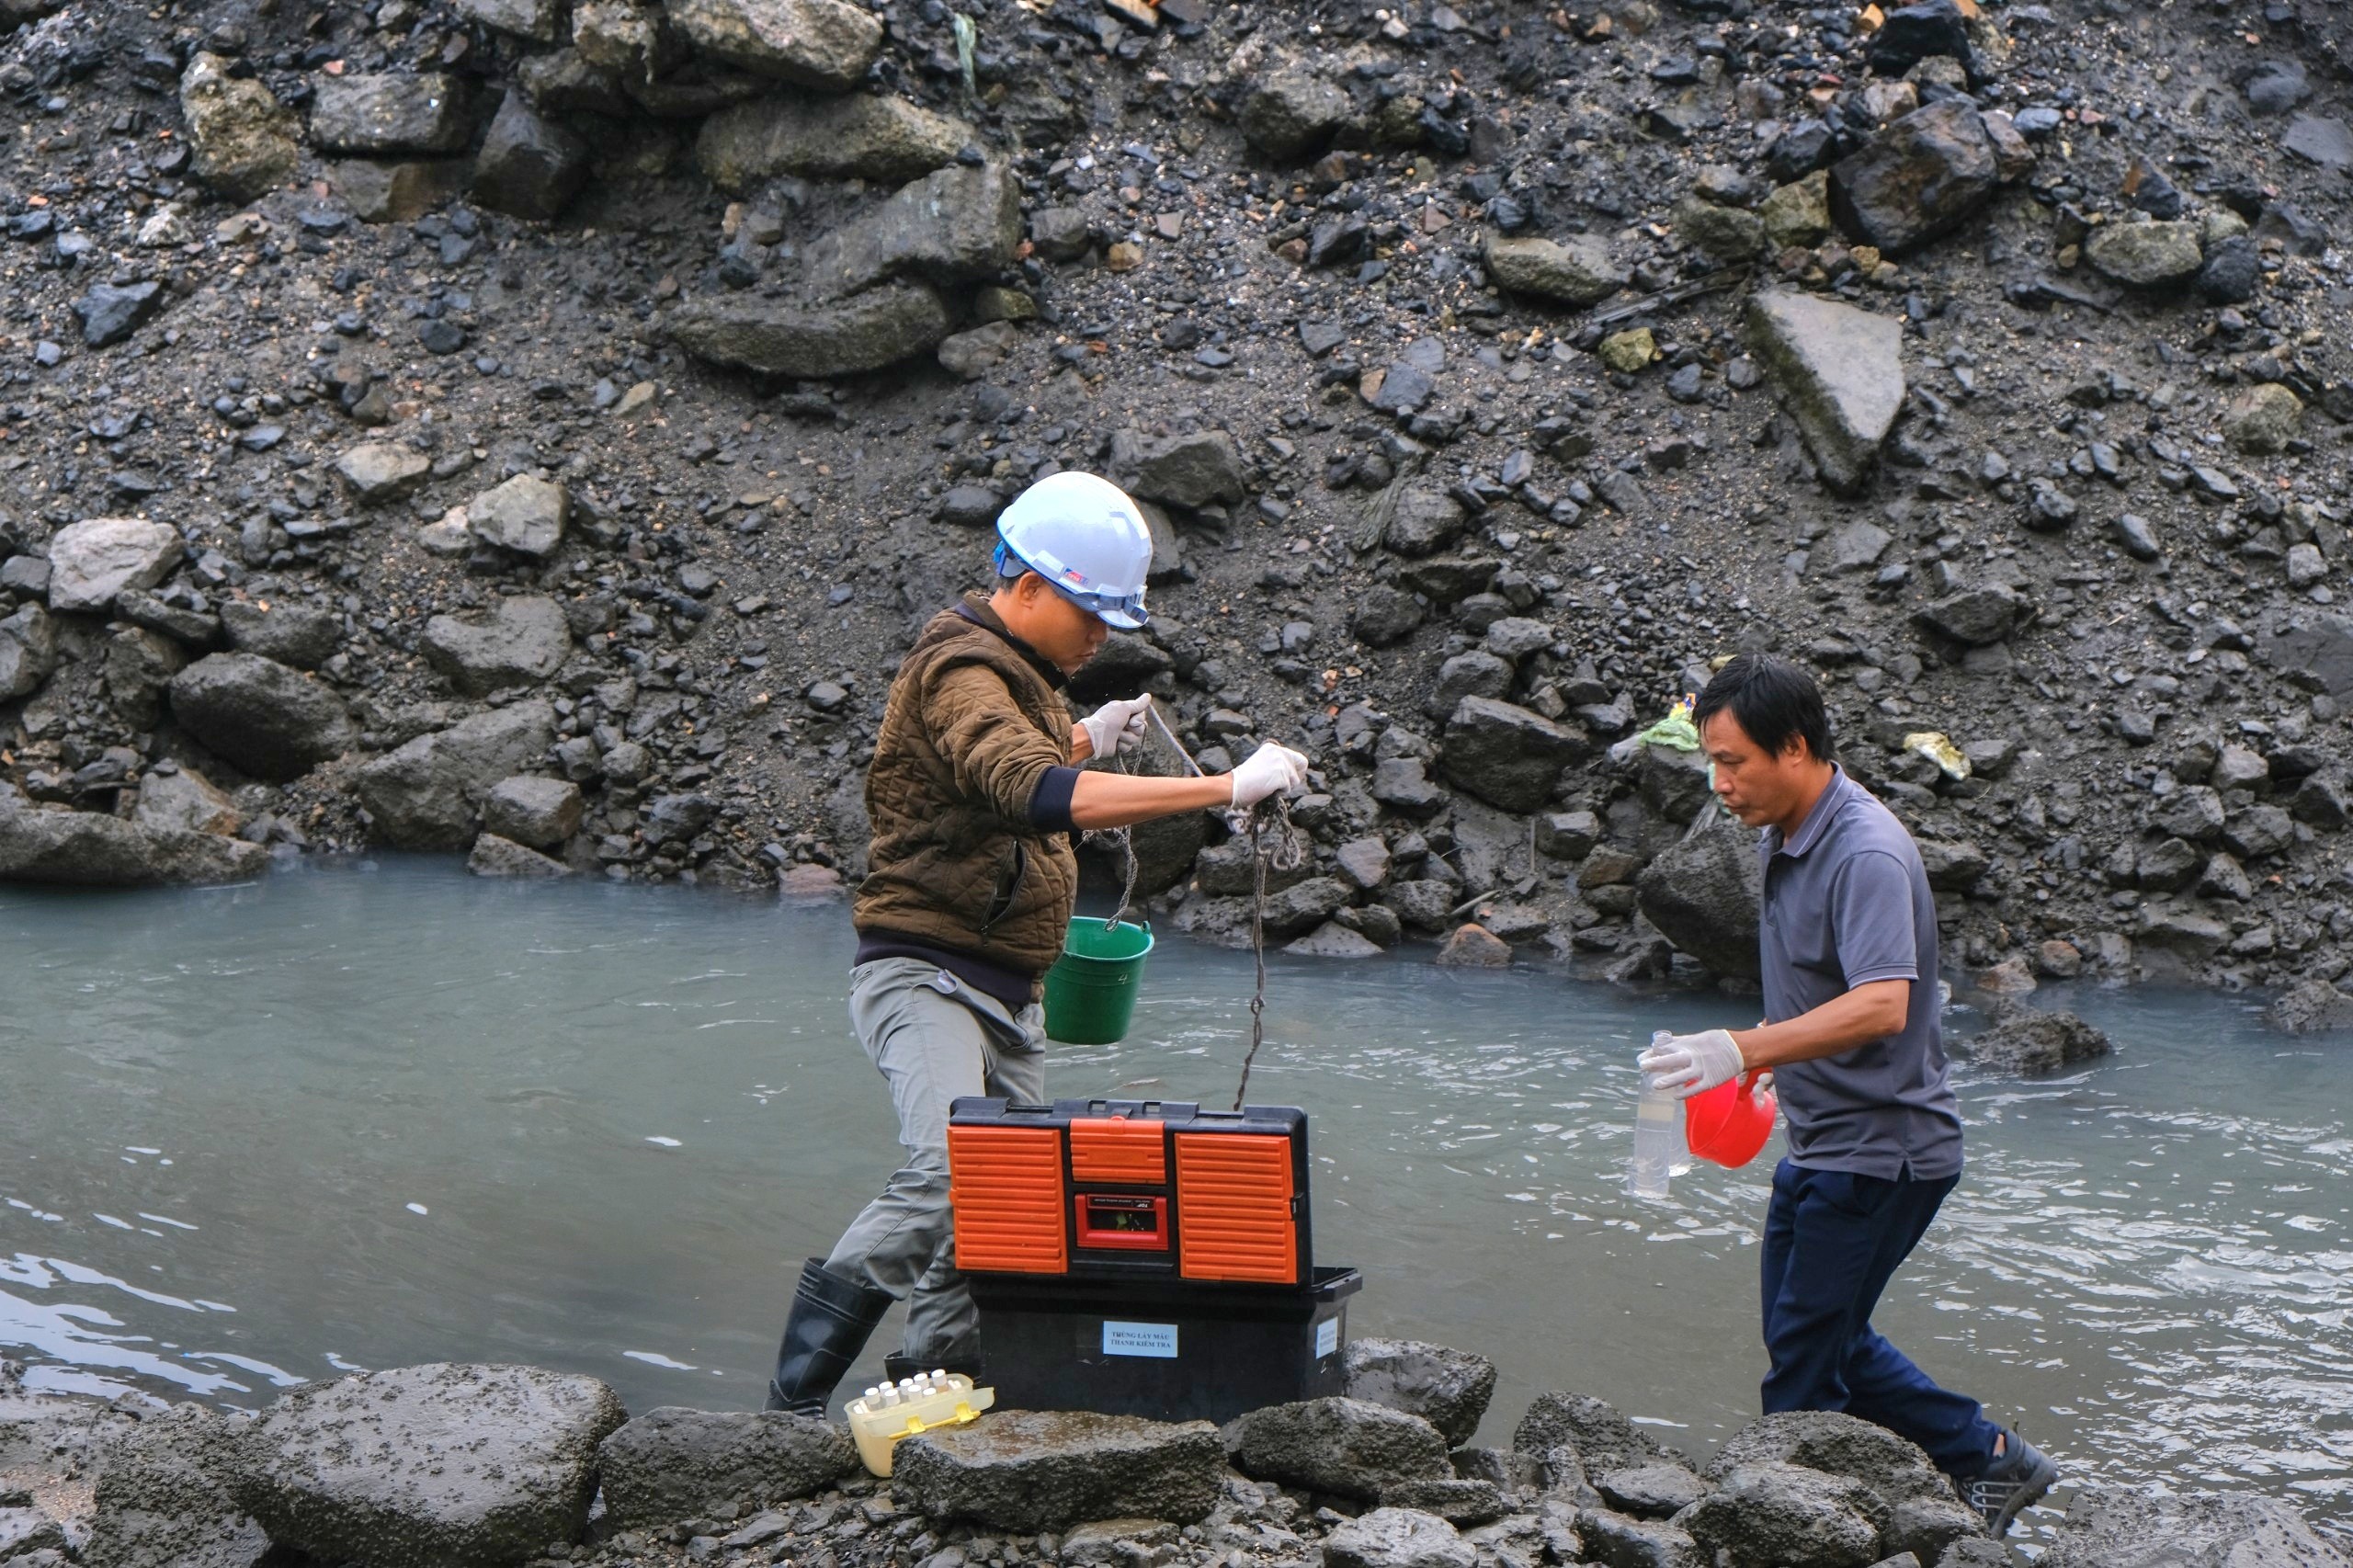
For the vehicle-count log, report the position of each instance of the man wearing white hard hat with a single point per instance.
(974, 791)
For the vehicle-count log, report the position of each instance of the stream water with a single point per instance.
(382, 1113)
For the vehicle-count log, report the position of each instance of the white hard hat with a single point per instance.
(1086, 537)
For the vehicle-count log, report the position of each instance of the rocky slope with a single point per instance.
(535, 428)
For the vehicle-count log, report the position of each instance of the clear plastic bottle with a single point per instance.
(1659, 1138)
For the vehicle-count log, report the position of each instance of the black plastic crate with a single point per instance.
(1176, 1353)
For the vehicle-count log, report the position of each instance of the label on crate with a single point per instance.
(1327, 1337)
(1157, 1340)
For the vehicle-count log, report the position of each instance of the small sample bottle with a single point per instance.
(1658, 1138)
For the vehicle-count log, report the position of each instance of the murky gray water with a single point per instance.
(370, 1116)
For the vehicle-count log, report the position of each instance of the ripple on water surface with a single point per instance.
(362, 1117)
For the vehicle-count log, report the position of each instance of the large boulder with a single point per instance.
(375, 114)
(246, 143)
(2310, 1006)
(951, 225)
(1348, 1447)
(1193, 470)
(424, 795)
(1031, 1470)
(1920, 179)
(864, 136)
(1604, 1439)
(27, 651)
(164, 1497)
(517, 642)
(1398, 1538)
(1925, 1514)
(825, 44)
(1839, 371)
(1448, 1389)
(1576, 272)
(1702, 893)
(184, 800)
(92, 561)
(2114, 1529)
(540, 812)
(88, 849)
(1507, 755)
(2031, 1044)
(530, 166)
(668, 1463)
(261, 717)
(795, 337)
(303, 636)
(1782, 1516)
(459, 1466)
(140, 666)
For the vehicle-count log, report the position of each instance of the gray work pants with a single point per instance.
(934, 1039)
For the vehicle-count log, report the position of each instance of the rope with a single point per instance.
(1288, 853)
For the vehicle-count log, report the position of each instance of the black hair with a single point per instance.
(1773, 699)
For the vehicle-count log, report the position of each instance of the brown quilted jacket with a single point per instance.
(969, 730)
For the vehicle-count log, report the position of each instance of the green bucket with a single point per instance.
(1091, 990)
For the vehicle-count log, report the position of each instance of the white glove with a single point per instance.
(1116, 726)
(1687, 1065)
(1270, 770)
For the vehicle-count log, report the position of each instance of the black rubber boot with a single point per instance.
(898, 1367)
(831, 1318)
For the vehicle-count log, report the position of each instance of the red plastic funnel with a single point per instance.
(1729, 1123)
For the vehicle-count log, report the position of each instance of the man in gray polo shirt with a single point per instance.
(1851, 1038)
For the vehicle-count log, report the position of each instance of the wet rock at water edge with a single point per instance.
(373, 113)
(669, 1462)
(465, 1465)
(1472, 946)
(164, 1495)
(92, 562)
(1448, 1389)
(1839, 369)
(425, 794)
(111, 312)
(1049, 1470)
(1925, 1514)
(538, 813)
(1349, 1447)
(863, 136)
(1599, 1433)
(2105, 1528)
(1397, 1537)
(1767, 1515)
(246, 141)
(184, 800)
(261, 717)
(73, 848)
(2033, 1043)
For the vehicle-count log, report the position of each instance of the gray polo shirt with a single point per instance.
(1846, 903)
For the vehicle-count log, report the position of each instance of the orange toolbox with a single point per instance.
(1145, 1256)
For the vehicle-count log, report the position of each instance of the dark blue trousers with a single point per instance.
(1832, 1240)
